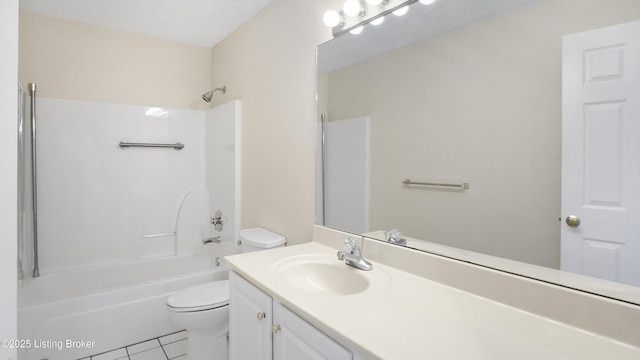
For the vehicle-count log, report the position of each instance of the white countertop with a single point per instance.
(410, 317)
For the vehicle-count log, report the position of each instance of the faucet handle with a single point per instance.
(351, 244)
(394, 234)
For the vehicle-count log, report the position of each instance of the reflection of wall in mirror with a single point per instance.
(480, 103)
(346, 177)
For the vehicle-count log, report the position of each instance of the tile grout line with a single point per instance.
(169, 343)
(126, 348)
(163, 350)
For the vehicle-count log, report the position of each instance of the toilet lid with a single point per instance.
(201, 297)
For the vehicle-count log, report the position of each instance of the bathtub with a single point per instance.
(73, 314)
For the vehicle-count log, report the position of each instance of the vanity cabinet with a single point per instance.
(262, 329)
(250, 314)
(294, 338)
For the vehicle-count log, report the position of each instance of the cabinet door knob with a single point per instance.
(261, 316)
(276, 329)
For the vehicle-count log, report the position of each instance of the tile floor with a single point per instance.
(168, 347)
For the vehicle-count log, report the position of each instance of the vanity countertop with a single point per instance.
(410, 317)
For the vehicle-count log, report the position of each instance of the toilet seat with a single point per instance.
(201, 297)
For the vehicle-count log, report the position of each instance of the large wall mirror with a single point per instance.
(476, 105)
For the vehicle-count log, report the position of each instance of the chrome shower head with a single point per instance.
(209, 94)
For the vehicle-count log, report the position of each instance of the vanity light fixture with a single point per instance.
(356, 31)
(354, 8)
(377, 2)
(333, 18)
(356, 13)
(377, 21)
(402, 11)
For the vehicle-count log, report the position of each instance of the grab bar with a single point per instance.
(461, 186)
(177, 146)
(34, 181)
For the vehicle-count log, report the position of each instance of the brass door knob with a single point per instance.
(276, 329)
(260, 316)
(573, 221)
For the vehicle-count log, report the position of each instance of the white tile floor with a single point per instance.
(168, 347)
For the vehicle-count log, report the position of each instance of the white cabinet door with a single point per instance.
(295, 339)
(601, 153)
(250, 319)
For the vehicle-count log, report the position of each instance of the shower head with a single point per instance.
(209, 94)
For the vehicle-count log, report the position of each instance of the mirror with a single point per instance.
(478, 101)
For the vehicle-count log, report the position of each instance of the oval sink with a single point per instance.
(323, 274)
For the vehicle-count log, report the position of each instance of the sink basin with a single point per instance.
(323, 275)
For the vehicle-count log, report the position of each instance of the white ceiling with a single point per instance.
(197, 22)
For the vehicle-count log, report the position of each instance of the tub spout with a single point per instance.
(215, 239)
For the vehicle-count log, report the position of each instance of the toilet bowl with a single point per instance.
(203, 310)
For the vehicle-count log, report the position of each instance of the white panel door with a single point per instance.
(347, 175)
(601, 153)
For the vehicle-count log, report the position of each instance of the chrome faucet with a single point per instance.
(354, 255)
(394, 236)
(215, 239)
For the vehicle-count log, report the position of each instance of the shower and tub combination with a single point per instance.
(118, 229)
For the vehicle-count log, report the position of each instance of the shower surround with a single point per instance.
(120, 229)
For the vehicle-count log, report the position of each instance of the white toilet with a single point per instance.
(203, 310)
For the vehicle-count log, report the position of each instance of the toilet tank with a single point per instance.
(257, 239)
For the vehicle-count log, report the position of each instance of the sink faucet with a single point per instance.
(394, 236)
(354, 255)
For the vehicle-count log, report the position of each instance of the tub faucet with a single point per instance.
(215, 239)
(394, 236)
(354, 255)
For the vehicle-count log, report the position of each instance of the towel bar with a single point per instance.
(126, 145)
(461, 186)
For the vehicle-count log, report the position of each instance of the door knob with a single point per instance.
(275, 329)
(261, 316)
(573, 221)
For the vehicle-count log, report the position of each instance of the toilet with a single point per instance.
(203, 310)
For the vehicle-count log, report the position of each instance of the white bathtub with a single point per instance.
(72, 314)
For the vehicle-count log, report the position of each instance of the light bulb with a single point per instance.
(378, 21)
(403, 10)
(374, 2)
(357, 30)
(427, 2)
(331, 18)
(352, 7)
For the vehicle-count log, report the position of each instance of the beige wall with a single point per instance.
(78, 61)
(482, 104)
(269, 63)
